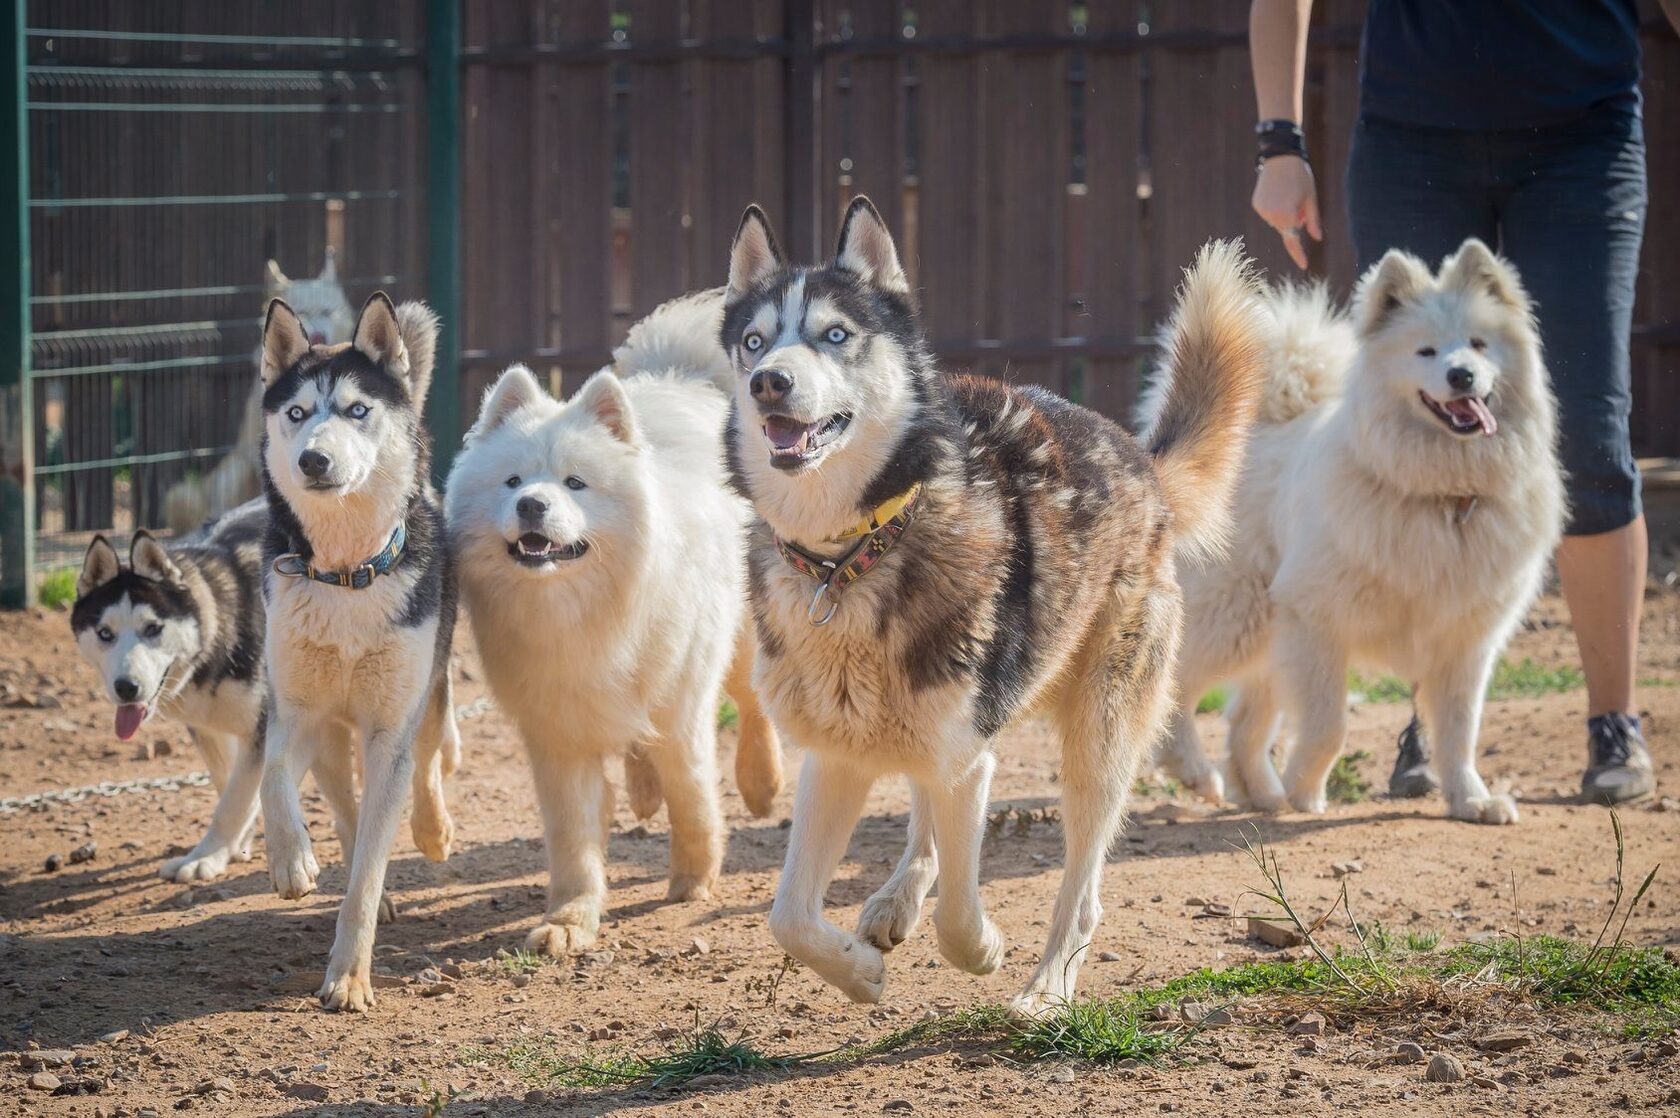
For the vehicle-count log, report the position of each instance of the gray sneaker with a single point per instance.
(1411, 778)
(1618, 764)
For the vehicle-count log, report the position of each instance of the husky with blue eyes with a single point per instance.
(360, 591)
(178, 631)
(602, 558)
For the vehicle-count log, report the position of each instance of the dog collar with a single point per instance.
(881, 515)
(360, 577)
(833, 576)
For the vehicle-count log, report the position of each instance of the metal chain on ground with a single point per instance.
(38, 800)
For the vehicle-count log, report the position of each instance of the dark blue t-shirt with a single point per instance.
(1497, 64)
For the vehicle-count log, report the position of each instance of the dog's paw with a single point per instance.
(690, 887)
(434, 832)
(293, 872)
(860, 972)
(566, 931)
(197, 865)
(350, 991)
(888, 918)
(1209, 785)
(1033, 1003)
(1494, 810)
(977, 951)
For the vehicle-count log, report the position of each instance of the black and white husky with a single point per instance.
(178, 632)
(940, 556)
(361, 608)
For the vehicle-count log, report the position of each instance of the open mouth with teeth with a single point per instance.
(1465, 415)
(794, 443)
(533, 549)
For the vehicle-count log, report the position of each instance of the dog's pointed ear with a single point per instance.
(329, 270)
(1389, 284)
(754, 256)
(604, 398)
(149, 560)
(866, 248)
(1474, 267)
(516, 387)
(99, 566)
(284, 342)
(378, 337)
(274, 280)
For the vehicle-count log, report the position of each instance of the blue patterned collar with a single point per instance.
(360, 577)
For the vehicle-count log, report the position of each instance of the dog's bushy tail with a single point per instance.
(417, 324)
(1215, 373)
(680, 338)
(1309, 347)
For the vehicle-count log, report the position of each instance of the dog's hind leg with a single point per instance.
(891, 914)
(388, 765)
(229, 836)
(687, 764)
(1109, 714)
(335, 775)
(967, 937)
(1449, 698)
(218, 751)
(1313, 671)
(429, 821)
(641, 782)
(1253, 721)
(577, 807)
(758, 753)
(825, 810)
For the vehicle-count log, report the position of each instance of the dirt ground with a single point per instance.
(171, 998)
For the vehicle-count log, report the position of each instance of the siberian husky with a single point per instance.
(178, 632)
(361, 607)
(1399, 503)
(938, 557)
(327, 316)
(602, 558)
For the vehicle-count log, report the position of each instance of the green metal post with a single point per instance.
(17, 413)
(443, 212)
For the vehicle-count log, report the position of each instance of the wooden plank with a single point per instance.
(659, 163)
(872, 118)
(948, 264)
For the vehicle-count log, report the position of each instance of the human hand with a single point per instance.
(1286, 198)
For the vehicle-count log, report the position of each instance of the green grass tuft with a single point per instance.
(700, 1052)
(58, 588)
(1422, 941)
(1106, 1031)
(728, 715)
(1345, 785)
(1213, 701)
(519, 961)
(1527, 679)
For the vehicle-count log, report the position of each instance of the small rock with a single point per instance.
(1061, 1074)
(1309, 1024)
(1343, 869)
(604, 1034)
(897, 1106)
(437, 990)
(1275, 932)
(54, 862)
(84, 853)
(1108, 957)
(521, 980)
(1486, 1082)
(536, 1097)
(1200, 1013)
(1409, 1052)
(1196, 901)
(1506, 1040)
(1665, 1049)
(1574, 1057)
(1546, 871)
(707, 1082)
(163, 747)
(699, 947)
(114, 1036)
(1444, 1068)
(43, 1081)
(308, 1092)
(42, 1058)
(1214, 908)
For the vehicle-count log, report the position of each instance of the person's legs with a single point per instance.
(1572, 224)
(1423, 190)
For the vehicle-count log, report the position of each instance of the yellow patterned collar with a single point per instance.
(878, 516)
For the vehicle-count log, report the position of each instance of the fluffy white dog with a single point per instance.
(1399, 502)
(602, 557)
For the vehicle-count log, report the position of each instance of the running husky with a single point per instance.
(179, 632)
(940, 556)
(327, 316)
(361, 607)
(1399, 503)
(602, 556)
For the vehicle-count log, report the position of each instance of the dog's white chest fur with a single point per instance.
(329, 646)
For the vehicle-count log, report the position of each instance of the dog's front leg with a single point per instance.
(825, 810)
(287, 754)
(1449, 699)
(891, 914)
(687, 764)
(1313, 669)
(388, 764)
(967, 937)
(228, 839)
(576, 805)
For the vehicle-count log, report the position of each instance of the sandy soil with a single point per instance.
(164, 997)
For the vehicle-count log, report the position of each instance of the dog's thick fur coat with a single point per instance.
(602, 558)
(1037, 574)
(178, 632)
(346, 458)
(1375, 532)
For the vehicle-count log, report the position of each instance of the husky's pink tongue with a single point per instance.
(1472, 410)
(785, 433)
(129, 717)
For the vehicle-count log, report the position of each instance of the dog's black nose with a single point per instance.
(127, 690)
(770, 385)
(530, 508)
(1461, 379)
(313, 463)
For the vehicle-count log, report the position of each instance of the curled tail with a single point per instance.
(1309, 347)
(679, 337)
(1215, 373)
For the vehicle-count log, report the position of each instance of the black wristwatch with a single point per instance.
(1279, 137)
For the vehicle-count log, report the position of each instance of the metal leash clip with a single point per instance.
(816, 600)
